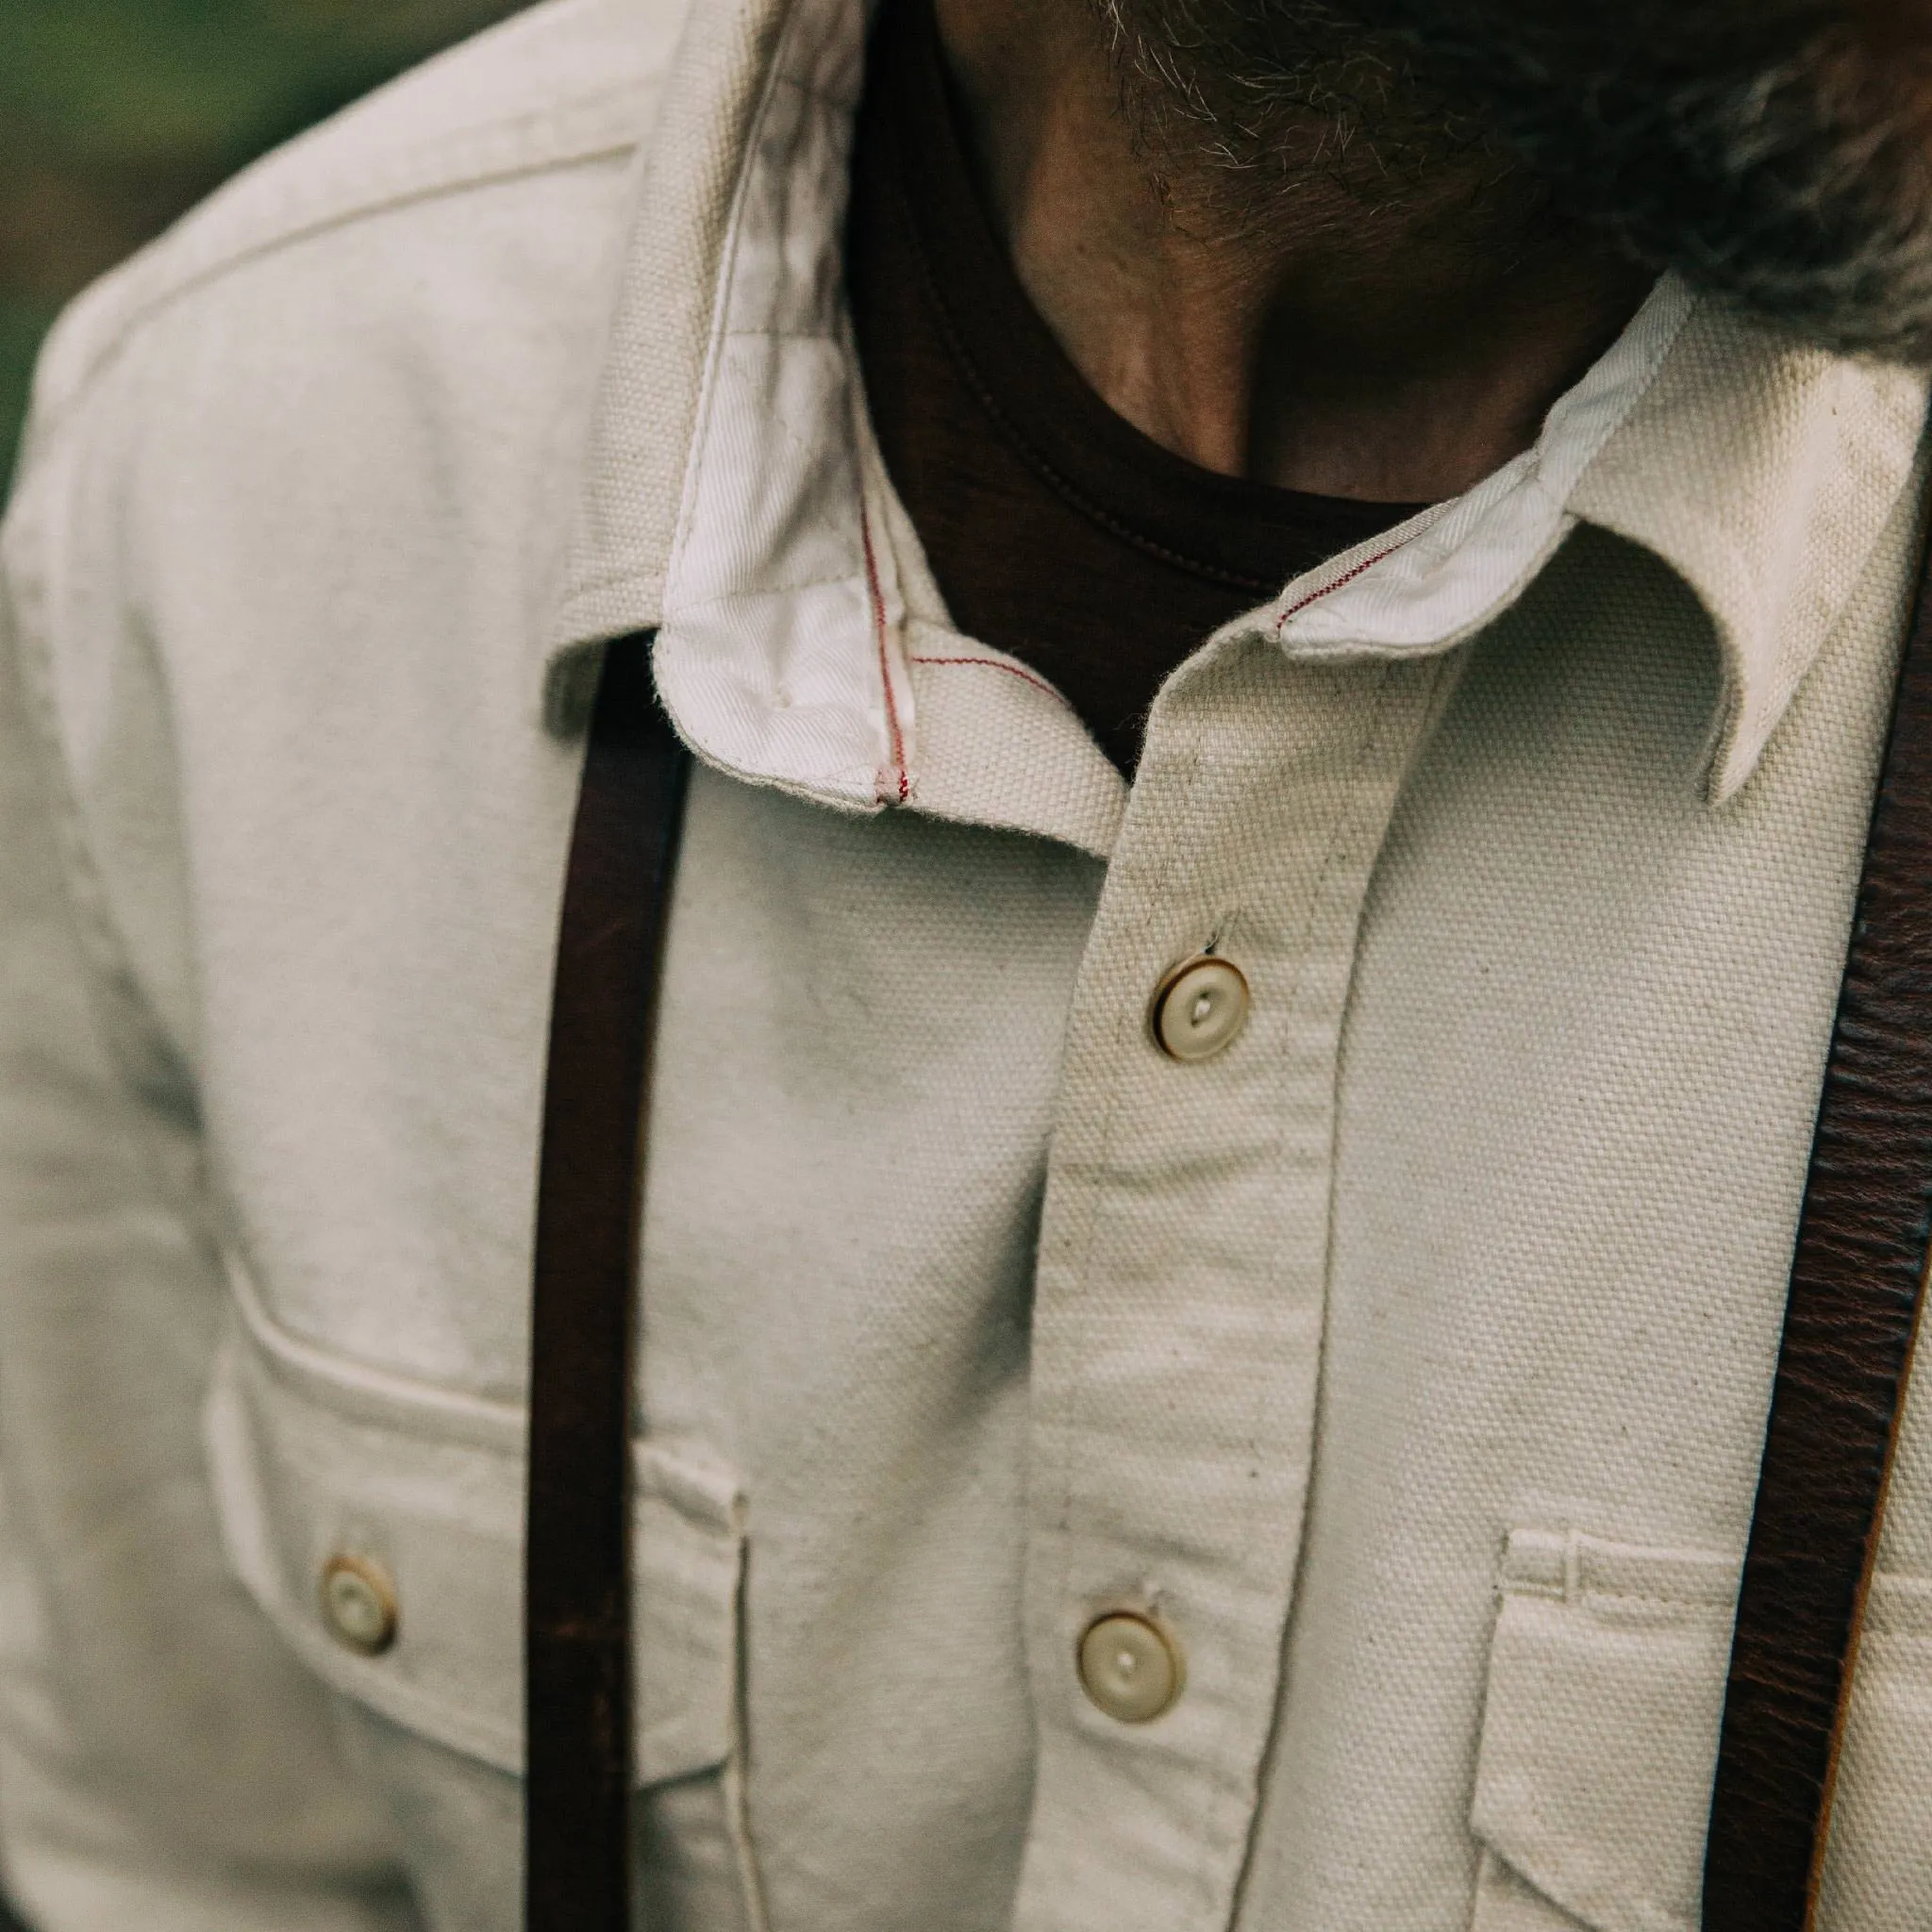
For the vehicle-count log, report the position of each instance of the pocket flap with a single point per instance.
(1600, 1726)
(316, 1464)
(1878, 1868)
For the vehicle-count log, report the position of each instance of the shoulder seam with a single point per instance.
(221, 236)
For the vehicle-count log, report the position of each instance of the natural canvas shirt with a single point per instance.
(1407, 1362)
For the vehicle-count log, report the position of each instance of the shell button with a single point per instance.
(1199, 1008)
(1130, 1668)
(358, 1604)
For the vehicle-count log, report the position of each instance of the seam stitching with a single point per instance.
(1347, 577)
(270, 232)
(1011, 671)
(895, 734)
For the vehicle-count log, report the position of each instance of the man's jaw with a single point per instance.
(1778, 156)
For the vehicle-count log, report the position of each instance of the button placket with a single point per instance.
(1177, 1322)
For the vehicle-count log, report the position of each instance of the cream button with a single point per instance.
(358, 1604)
(1199, 1008)
(1130, 1668)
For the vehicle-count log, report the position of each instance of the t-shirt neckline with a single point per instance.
(1226, 529)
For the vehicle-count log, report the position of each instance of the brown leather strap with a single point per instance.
(578, 1550)
(1857, 1282)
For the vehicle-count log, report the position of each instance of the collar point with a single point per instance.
(1738, 752)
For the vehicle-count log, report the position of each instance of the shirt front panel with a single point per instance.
(859, 1051)
(1576, 1094)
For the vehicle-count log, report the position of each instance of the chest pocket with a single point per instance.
(378, 1523)
(1600, 1736)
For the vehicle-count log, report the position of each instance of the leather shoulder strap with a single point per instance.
(578, 1616)
(1858, 1283)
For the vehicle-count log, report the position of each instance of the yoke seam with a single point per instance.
(274, 230)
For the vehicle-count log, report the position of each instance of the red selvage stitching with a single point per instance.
(894, 732)
(1011, 671)
(1347, 577)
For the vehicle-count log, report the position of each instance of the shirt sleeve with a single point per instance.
(165, 1764)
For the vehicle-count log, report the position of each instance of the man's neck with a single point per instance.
(1395, 348)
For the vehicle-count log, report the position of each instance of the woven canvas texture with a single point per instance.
(1407, 1362)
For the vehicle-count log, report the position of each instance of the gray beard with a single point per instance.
(1777, 152)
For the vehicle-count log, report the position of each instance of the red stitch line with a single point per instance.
(1347, 577)
(994, 665)
(895, 734)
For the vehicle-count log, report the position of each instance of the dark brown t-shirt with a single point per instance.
(1054, 529)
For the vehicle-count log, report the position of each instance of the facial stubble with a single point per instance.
(1777, 155)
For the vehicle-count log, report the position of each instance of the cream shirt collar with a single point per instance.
(732, 495)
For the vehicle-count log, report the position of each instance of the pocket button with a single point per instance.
(358, 1604)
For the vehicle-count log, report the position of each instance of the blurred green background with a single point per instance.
(115, 115)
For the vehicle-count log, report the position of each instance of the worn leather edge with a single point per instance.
(577, 1620)
(1856, 1291)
